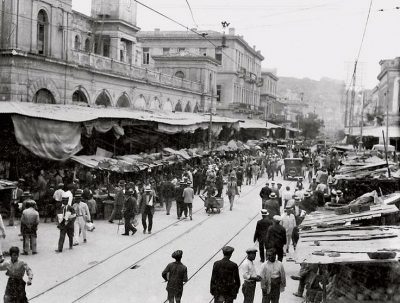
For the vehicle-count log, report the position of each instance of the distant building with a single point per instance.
(389, 89)
(294, 106)
(52, 54)
(238, 78)
(273, 108)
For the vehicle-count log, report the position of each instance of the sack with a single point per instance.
(135, 222)
(89, 226)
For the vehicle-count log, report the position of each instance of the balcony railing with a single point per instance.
(108, 65)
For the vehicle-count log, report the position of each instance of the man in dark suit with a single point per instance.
(264, 194)
(15, 199)
(130, 210)
(260, 234)
(119, 200)
(66, 224)
(176, 275)
(225, 280)
(272, 205)
(276, 237)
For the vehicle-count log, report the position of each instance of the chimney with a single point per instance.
(232, 31)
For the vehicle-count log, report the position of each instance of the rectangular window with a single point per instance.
(218, 55)
(166, 51)
(203, 51)
(181, 49)
(219, 93)
(106, 49)
(146, 55)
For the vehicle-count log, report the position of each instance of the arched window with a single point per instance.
(123, 101)
(180, 74)
(79, 96)
(44, 96)
(188, 108)
(178, 107)
(167, 106)
(77, 42)
(140, 103)
(87, 45)
(42, 32)
(196, 108)
(103, 100)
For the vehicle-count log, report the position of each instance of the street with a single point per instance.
(113, 268)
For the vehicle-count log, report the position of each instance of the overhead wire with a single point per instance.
(191, 13)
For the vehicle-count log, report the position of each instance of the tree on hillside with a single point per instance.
(309, 125)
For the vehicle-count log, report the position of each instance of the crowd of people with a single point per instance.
(71, 199)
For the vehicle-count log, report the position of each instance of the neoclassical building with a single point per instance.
(50, 53)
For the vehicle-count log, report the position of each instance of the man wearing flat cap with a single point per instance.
(250, 276)
(276, 237)
(260, 234)
(119, 200)
(16, 195)
(225, 280)
(176, 274)
(130, 210)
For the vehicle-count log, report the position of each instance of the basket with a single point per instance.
(342, 210)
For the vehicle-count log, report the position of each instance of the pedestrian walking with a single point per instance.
(82, 216)
(66, 224)
(225, 279)
(29, 224)
(146, 207)
(232, 190)
(188, 196)
(168, 194)
(180, 203)
(3, 236)
(272, 205)
(289, 223)
(176, 275)
(92, 205)
(276, 237)
(129, 211)
(273, 278)
(250, 276)
(264, 194)
(49, 204)
(260, 233)
(15, 200)
(16, 269)
(118, 201)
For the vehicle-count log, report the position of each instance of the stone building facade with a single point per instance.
(389, 89)
(273, 108)
(238, 78)
(52, 54)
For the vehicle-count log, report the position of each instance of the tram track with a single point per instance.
(112, 256)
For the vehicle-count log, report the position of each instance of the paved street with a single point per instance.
(113, 268)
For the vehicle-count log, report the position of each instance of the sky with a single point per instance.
(300, 38)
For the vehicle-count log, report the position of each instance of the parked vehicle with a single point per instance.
(293, 168)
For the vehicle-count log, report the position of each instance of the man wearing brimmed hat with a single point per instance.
(146, 207)
(130, 210)
(272, 205)
(15, 199)
(276, 237)
(118, 201)
(188, 196)
(176, 275)
(260, 233)
(180, 203)
(66, 221)
(82, 216)
(57, 196)
(250, 276)
(225, 279)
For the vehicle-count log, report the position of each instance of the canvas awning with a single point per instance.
(257, 124)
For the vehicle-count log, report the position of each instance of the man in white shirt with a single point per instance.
(250, 276)
(286, 196)
(82, 216)
(58, 194)
(69, 194)
(289, 223)
(273, 278)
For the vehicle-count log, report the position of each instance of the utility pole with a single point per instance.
(362, 119)
(387, 117)
(211, 114)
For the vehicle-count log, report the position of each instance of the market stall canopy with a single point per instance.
(53, 131)
(109, 164)
(182, 153)
(257, 124)
(374, 131)
(347, 244)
